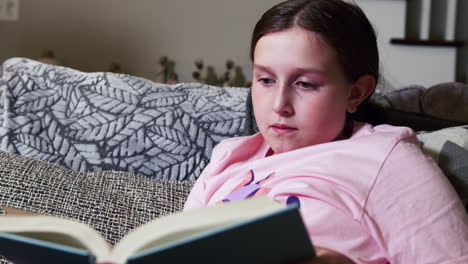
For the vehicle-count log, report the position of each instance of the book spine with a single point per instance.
(450, 21)
(425, 19)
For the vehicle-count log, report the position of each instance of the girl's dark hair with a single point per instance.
(342, 25)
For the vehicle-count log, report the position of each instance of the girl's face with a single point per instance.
(300, 93)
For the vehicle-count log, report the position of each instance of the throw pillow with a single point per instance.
(104, 121)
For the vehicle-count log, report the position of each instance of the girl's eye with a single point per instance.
(306, 85)
(266, 81)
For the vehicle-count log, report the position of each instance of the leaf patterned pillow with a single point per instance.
(103, 121)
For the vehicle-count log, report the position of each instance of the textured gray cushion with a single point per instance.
(104, 121)
(112, 202)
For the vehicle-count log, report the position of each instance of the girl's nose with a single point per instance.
(282, 103)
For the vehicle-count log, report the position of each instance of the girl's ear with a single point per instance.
(360, 90)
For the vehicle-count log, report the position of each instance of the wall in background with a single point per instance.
(88, 35)
(410, 64)
(462, 34)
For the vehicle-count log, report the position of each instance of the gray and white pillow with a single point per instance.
(103, 121)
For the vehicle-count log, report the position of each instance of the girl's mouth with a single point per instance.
(282, 129)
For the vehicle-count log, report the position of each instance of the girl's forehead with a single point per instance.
(295, 46)
(296, 32)
(294, 38)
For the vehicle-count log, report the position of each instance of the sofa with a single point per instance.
(115, 150)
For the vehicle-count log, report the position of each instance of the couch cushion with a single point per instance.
(406, 99)
(446, 101)
(112, 202)
(104, 121)
(377, 114)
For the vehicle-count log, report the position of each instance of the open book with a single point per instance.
(257, 230)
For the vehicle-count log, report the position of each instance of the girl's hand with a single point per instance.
(327, 256)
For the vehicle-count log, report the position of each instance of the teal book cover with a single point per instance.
(25, 250)
(266, 233)
(277, 238)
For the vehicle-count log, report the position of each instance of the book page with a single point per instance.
(17, 212)
(56, 230)
(182, 225)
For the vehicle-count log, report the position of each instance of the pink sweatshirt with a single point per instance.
(375, 197)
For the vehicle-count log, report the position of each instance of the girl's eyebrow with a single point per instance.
(310, 70)
(262, 68)
(299, 70)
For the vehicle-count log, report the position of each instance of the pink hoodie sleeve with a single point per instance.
(198, 196)
(413, 211)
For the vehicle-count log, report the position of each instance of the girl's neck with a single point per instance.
(347, 131)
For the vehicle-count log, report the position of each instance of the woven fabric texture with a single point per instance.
(101, 121)
(112, 202)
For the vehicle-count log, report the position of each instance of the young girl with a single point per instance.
(366, 194)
